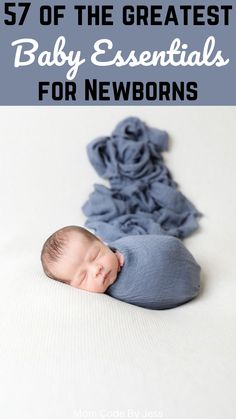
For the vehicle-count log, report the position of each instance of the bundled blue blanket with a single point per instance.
(158, 272)
(143, 197)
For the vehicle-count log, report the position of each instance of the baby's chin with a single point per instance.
(109, 281)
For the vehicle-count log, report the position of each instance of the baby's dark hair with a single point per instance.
(54, 247)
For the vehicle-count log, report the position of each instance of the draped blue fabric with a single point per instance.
(142, 197)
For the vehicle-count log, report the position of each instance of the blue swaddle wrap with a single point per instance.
(158, 273)
(143, 197)
(143, 215)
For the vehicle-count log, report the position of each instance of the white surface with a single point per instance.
(69, 354)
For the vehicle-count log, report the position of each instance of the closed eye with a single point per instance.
(82, 278)
(95, 256)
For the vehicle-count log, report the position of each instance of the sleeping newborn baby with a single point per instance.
(151, 271)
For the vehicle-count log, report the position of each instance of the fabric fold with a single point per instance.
(143, 197)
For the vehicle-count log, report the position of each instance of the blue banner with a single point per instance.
(117, 53)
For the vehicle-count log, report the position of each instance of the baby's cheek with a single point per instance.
(100, 289)
(94, 287)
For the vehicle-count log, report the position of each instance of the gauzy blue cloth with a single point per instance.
(158, 272)
(143, 197)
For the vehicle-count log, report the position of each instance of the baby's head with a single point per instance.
(78, 258)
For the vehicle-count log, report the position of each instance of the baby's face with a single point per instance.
(88, 266)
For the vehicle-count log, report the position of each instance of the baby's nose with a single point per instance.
(98, 269)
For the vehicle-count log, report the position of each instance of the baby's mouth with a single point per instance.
(106, 276)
